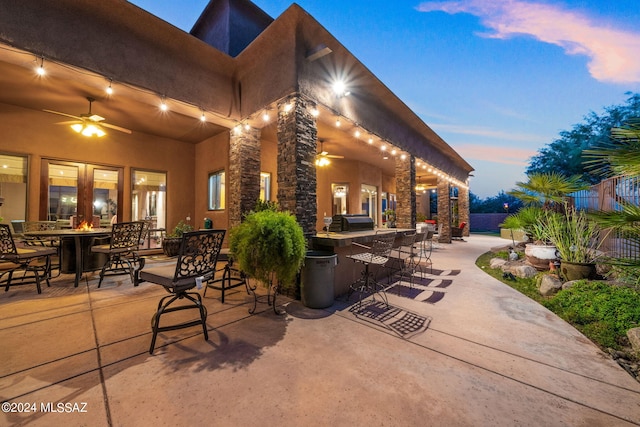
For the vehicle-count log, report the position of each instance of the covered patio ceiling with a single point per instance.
(65, 88)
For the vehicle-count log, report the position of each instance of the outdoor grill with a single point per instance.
(351, 222)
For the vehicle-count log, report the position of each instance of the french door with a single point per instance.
(72, 192)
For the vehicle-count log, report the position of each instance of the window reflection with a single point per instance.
(340, 193)
(13, 187)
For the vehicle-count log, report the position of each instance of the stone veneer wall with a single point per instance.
(444, 211)
(243, 182)
(463, 209)
(297, 145)
(405, 194)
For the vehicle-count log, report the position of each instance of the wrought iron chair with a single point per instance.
(51, 242)
(402, 258)
(34, 262)
(378, 255)
(424, 249)
(196, 263)
(122, 251)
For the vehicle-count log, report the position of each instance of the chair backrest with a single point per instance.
(7, 245)
(462, 225)
(425, 246)
(17, 225)
(39, 225)
(126, 234)
(408, 242)
(383, 243)
(199, 251)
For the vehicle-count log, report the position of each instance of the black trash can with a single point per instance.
(316, 285)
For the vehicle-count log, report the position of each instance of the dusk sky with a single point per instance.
(496, 79)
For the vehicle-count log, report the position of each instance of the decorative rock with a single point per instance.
(497, 262)
(634, 338)
(524, 271)
(550, 285)
(569, 284)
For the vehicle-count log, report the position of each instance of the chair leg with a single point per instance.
(163, 308)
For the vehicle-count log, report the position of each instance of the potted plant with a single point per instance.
(577, 239)
(171, 242)
(543, 192)
(269, 246)
(390, 215)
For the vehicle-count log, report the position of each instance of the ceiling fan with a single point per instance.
(88, 124)
(322, 158)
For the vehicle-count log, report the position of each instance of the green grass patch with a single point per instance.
(599, 310)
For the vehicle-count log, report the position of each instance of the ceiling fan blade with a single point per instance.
(323, 153)
(63, 114)
(334, 156)
(110, 126)
(70, 122)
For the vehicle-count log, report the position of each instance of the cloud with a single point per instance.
(490, 133)
(495, 154)
(613, 53)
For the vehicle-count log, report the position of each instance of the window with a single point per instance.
(265, 186)
(340, 194)
(13, 187)
(216, 191)
(149, 197)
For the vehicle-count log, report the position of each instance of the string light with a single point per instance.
(40, 70)
(265, 116)
(338, 122)
(202, 117)
(109, 89)
(163, 105)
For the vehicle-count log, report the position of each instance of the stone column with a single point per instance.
(444, 211)
(297, 145)
(243, 183)
(463, 208)
(406, 191)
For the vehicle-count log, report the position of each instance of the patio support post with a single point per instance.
(243, 185)
(406, 191)
(444, 211)
(297, 145)
(463, 208)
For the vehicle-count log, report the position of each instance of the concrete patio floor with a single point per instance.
(464, 350)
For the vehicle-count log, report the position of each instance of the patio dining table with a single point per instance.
(80, 242)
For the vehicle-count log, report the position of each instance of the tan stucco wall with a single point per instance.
(211, 155)
(35, 133)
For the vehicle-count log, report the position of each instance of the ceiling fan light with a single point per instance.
(77, 127)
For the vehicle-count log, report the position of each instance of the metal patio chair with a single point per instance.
(33, 261)
(375, 255)
(122, 250)
(195, 265)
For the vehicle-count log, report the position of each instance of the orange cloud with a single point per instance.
(495, 154)
(613, 53)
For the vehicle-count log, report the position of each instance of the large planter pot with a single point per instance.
(171, 246)
(539, 256)
(577, 270)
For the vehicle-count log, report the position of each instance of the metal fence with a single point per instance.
(608, 196)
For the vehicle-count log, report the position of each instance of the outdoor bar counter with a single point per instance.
(348, 271)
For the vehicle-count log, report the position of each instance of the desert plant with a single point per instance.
(527, 219)
(576, 238)
(269, 246)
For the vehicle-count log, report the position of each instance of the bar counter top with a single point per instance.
(343, 239)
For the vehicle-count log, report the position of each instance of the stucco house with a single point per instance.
(202, 124)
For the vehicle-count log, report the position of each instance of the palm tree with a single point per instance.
(547, 190)
(621, 156)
